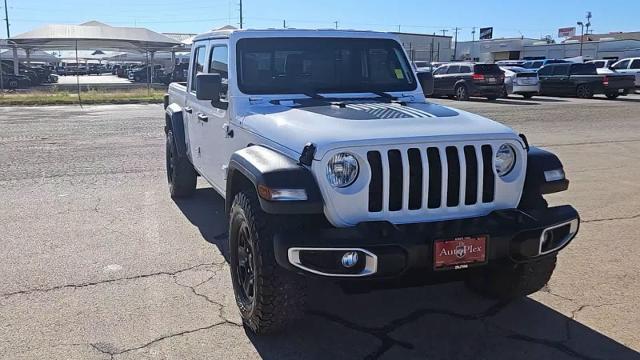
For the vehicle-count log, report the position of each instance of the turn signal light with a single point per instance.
(478, 77)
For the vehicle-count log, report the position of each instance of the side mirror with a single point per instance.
(426, 81)
(208, 87)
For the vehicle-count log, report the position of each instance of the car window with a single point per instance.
(453, 69)
(635, 64)
(546, 70)
(487, 69)
(598, 64)
(561, 69)
(464, 69)
(583, 69)
(441, 70)
(198, 65)
(219, 64)
(621, 65)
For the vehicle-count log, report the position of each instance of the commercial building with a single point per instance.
(604, 49)
(425, 47)
(493, 50)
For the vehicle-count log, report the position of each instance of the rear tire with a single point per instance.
(269, 297)
(181, 175)
(584, 92)
(612, 96)
(492, 98)
(462, 93)
(505, 93)
(508, 282)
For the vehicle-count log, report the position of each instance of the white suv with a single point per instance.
(333, 165)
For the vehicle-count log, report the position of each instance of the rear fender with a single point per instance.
(174, 121)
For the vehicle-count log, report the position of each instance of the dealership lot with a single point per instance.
(98, 262)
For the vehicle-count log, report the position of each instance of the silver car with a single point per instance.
(520, 81)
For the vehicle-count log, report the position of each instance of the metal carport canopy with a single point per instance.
(86, 37)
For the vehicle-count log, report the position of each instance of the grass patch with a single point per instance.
(137, 96)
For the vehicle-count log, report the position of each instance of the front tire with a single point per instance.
(181, 175)
(269, 297)
(512, 281)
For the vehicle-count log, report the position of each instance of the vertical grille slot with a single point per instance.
(453, 178)
(375, 186)
(415, 179)
(435, 178)
(471, 188)
(395, 180)
(488, 190)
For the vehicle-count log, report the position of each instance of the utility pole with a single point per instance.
(473, 34)
(284, 24)
(241, 19)
(444, 32)
(588, 24)
(6, 18)
(399, 28)
(455, 49)
(335, 22)
(581, 24)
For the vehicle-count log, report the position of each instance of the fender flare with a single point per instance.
(539, 161)
(174, 122)
(259, 166)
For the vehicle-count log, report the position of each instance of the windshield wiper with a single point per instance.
(384, 95)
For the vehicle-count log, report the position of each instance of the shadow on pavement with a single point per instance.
(431, 322)
(205, 210)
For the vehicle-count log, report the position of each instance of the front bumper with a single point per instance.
(392, 252)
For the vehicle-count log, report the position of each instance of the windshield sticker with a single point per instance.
(399, 74)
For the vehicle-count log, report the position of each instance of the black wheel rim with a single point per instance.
(246, 266)
(461, 93)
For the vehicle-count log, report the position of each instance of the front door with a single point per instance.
(193, 126)
(217, 133)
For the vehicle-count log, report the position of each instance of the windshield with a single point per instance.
(322, 65)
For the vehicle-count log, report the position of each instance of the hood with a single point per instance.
(332, 126)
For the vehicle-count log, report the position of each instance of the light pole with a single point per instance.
(581, 24)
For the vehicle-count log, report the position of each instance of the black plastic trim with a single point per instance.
(539, 161)
(176, 125)
(262, 166)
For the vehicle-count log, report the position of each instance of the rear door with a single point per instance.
(439, 75)
(193, 125)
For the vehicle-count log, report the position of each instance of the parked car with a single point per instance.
(630, 66)
(333, 166)
(143, 73)
(537, 64)
(115, 68)
(520, 81)
(582, 80)
(518, 63)
(7, 67)
(11, 81)
(464, 80)
(603, 66)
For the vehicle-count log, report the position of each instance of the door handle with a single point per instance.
(188, 110)
(203, 117)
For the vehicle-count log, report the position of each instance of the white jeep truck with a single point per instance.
(333, 165)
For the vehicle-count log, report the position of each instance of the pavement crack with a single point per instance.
(383, 333)
(632, 217)
(107, 281)
(169, 336)
(560, 346)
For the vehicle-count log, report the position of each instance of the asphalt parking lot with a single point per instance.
(98, 262)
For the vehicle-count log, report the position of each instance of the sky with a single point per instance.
(532, 19)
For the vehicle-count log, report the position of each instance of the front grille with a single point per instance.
(430, 178)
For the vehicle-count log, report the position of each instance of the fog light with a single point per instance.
(554, 175)
(350, 259)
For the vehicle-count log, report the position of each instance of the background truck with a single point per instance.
(333, 166)
(582, 80)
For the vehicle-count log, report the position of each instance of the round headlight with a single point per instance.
(505, 159)
(342, 170)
